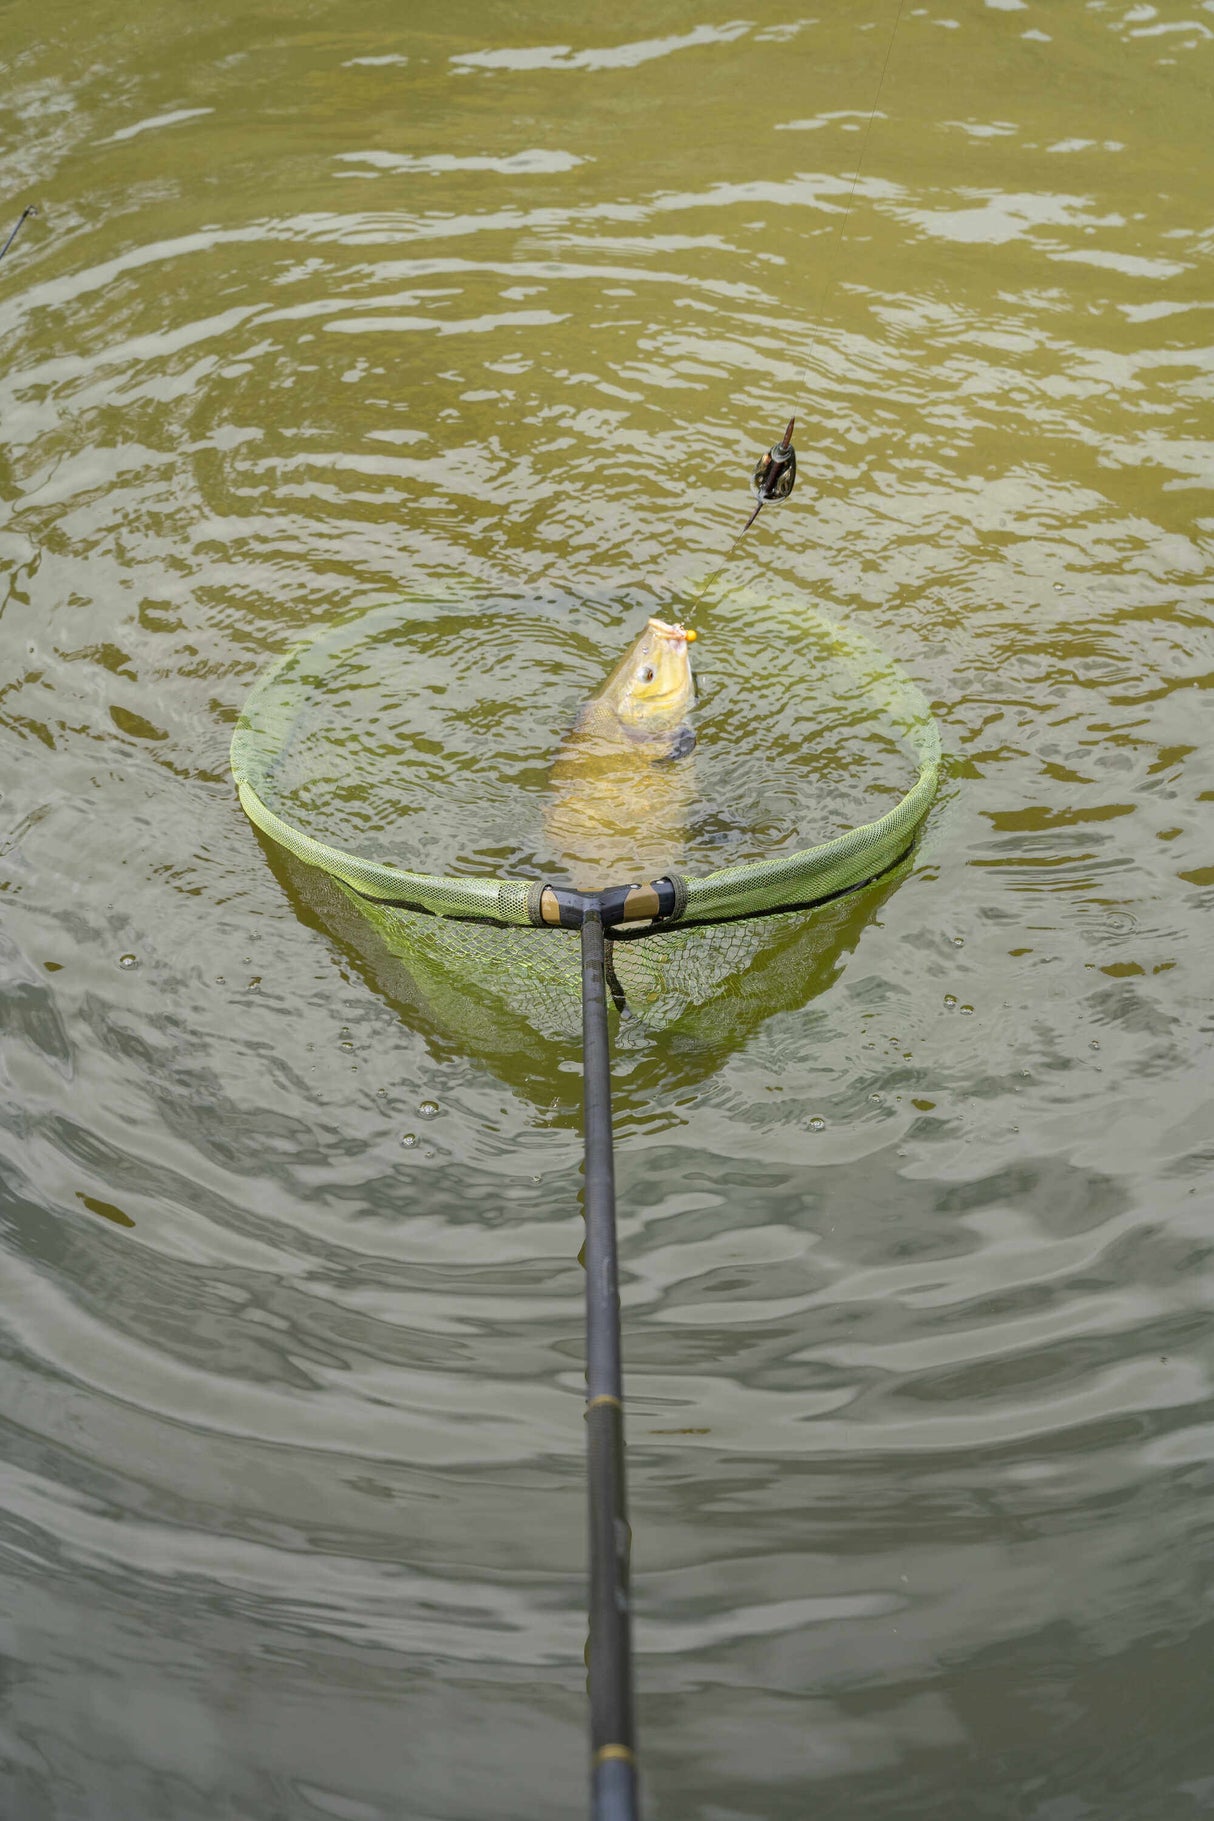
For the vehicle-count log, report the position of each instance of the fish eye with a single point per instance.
(647, 675)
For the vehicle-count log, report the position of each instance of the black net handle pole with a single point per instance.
(612, 1735)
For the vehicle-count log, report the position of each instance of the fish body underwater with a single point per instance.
(621, 783)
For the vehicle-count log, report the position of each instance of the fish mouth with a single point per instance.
(675, 635)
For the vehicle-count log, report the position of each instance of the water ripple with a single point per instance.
(916, 1260)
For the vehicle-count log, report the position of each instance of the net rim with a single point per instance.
(798, 879)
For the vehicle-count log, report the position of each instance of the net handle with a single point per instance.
(612, 1727)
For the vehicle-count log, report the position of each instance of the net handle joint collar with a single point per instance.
(658, 902)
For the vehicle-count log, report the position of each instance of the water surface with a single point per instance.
(330, 306)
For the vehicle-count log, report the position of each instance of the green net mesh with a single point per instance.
(467, 942)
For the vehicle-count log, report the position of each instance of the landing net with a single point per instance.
(479, 938)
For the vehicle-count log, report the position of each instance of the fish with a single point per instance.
(620, 785)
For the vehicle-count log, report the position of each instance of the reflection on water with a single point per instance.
(329, 309)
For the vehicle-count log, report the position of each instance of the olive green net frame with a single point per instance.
(487, 935)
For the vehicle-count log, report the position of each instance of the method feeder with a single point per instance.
(775, 473)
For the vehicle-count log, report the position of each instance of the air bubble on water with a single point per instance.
(219, 981)
(1093, 1045)
(817, 1125)
(254, 985)
(428, 1109)
(874, 1097)
(409, 1140)
(431, 1153)
(950, 1001)
(535, 1179)
(958, 941)
(967, 1011)
(128, 961)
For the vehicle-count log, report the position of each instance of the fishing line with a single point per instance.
(833, 268)
(21, 220)
(776, 472)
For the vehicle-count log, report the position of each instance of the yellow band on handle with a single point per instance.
(604, 1397)
(607, 1754)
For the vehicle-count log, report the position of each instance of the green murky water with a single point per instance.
(326, 304)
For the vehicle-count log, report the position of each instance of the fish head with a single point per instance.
(652, 688)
